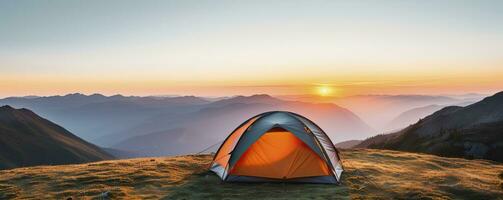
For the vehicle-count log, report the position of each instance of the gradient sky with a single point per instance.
(243, 47)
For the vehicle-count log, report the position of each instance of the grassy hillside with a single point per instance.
(370, 174)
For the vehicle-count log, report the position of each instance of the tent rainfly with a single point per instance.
(278, 146)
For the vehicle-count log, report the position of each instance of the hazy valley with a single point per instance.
(154, 126)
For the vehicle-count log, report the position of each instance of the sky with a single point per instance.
(215, 48)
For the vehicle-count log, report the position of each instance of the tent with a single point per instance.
(278, 146)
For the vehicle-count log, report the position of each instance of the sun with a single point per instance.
(324, 90)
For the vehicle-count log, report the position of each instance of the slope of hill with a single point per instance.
(369, 174)
(474, 131)
(27, 139)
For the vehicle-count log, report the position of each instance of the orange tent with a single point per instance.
(278, 146)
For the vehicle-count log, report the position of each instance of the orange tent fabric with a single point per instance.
(278, 146)
(223, 155)
(291, 158)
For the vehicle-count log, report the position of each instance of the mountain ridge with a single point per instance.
(110, 120)
(473, 131)
(27, 139)
(215, 121)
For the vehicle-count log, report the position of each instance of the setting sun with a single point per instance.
(325, 90)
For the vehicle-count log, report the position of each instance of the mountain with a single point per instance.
(93, 116)
(347, 144)
(379, 110)
(27, 139)
(473, 131)
(253, 99)
(369, 174)
(411, 116)
(121, 154)
(169, 134)
(173, 125)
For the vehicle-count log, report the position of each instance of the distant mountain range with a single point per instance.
(93, 116)
(382, 112)
(413, 115)
(176, 125)
(347, 144)
(132, 126)
(473, 131)
(194, 131)
(27, 139)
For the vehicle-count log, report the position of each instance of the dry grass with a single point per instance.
(131, 179)
(370, 174)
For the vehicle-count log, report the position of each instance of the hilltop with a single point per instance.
(370, 174)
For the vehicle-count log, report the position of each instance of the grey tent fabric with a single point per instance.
(304, 129)
(327, 144)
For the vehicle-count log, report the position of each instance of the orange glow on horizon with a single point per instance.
(334, 86)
